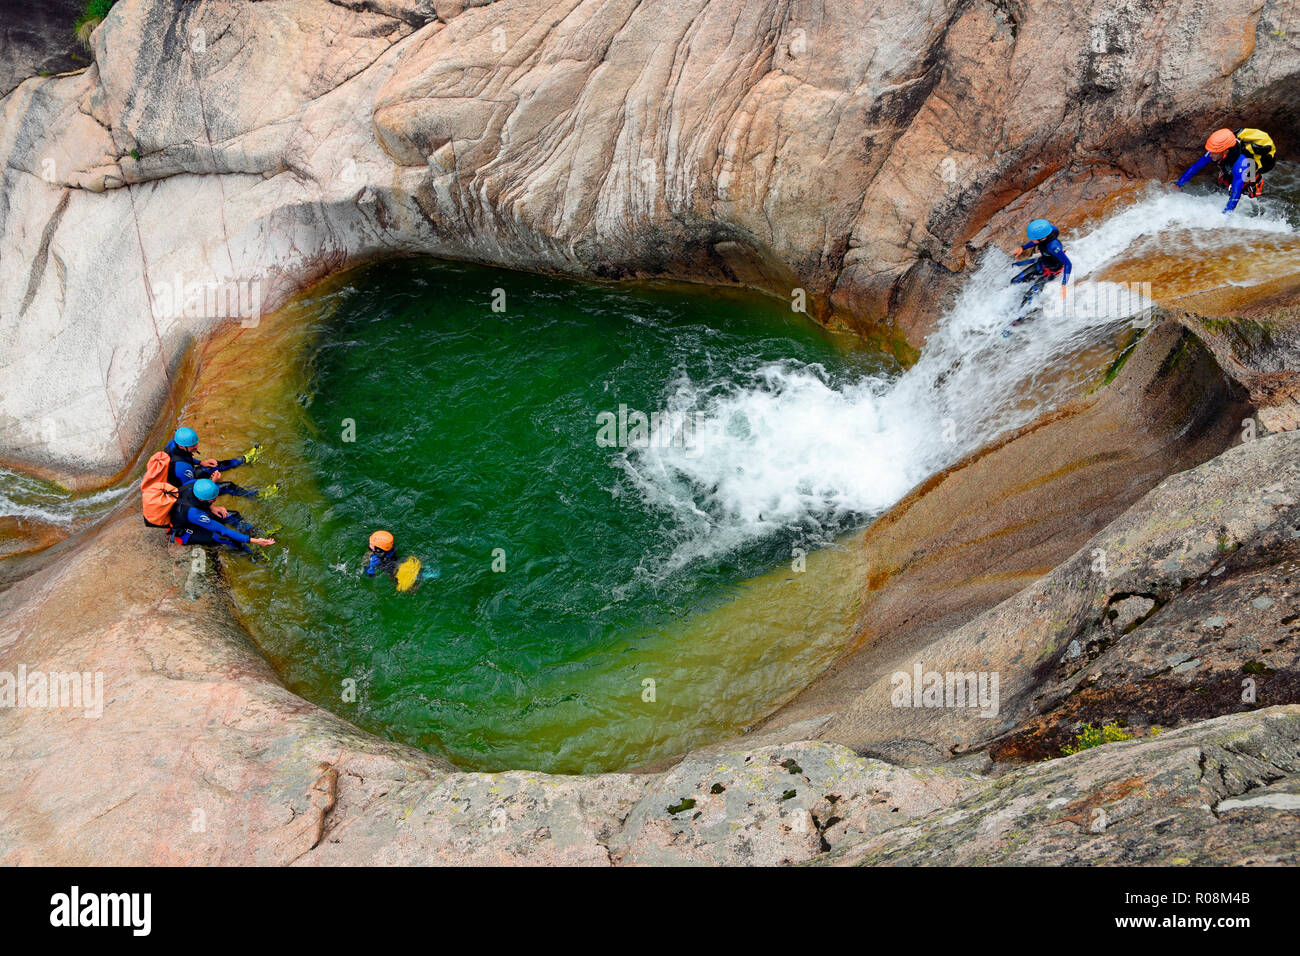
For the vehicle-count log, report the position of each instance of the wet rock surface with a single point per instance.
(36, 39)
(1173, 537)
(277, 156)
(982, 531)
(200, 755)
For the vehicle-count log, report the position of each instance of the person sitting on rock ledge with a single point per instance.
(195, 520)
(1242, 158)
(186, 467)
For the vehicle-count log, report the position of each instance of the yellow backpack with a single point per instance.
(1258, 145)
(408, 572)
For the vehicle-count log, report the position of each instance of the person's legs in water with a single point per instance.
(1037, 276)
(234, 519)
(199, 536)
(1028, 273)
(230, 488)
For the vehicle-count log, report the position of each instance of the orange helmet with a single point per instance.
(383, 540)
(1220, 141)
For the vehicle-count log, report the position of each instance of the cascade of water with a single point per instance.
(789, 447)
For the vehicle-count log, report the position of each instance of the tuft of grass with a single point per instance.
(1091, 736)
(92, 14)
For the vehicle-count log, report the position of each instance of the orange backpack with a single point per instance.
(156, 495)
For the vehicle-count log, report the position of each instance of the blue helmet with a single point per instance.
(1039, 229)
(206, 490)
(186, 437)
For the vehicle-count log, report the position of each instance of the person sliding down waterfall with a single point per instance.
(1241, 158)
(185, 466)
(1051, 262)
(195, 520)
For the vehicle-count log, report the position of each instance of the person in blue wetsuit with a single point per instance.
(1050, 262)
(186, 467)
(1239, 172)
(383, 555)
(195, 520)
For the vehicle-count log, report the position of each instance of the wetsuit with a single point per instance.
(1238, 173)
(185, 468)
(1051, 262)
(385, 561)
(194, 523)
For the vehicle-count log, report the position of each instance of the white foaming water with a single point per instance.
(787, 448)
(25, 497)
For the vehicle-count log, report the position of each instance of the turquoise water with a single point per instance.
(569, 572)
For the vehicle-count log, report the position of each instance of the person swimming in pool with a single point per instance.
(382, 557)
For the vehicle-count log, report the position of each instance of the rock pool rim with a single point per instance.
(189, 378)
(623, 337)
(186, 387)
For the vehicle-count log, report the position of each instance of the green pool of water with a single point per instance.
(585, 616)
